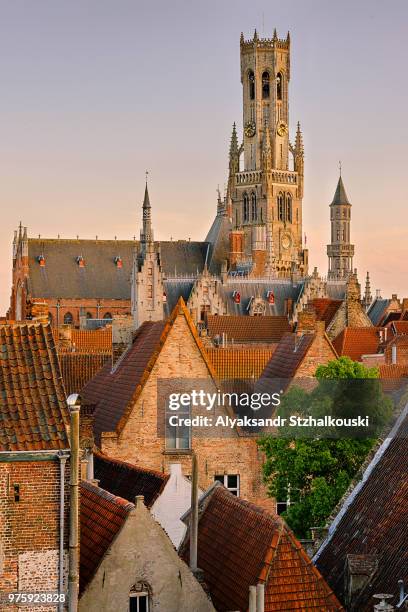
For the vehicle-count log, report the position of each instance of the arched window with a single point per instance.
(251, 85)
(279, 86)
(107, 315)
(68, 318)
(89, 315)
(265, 85)
(289, 207)
(246, 207)
(140, 598)
(281, 207)
(254, 207)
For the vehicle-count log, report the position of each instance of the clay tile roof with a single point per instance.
(373, 521)
(288, 356)
(127, 480)
(79, 368)
(325, 308)
(234, 363)
(90, 340)
(101, 517)
(248, 329)
(114, 391)
(33, 410)
(240, 544)
(399, 328)
(354, 342)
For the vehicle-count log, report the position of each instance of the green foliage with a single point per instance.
(314, 471)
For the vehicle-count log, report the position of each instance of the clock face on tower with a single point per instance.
(282, 128)
(249, 129)
(286, 241)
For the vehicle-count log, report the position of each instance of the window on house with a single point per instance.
(254, 207)
(139, 598)
(178, 436)
(251, 84)
(68, 318)
(279, 86)
(230, 482)
(265, 85)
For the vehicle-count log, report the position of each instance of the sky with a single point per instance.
(94, 92)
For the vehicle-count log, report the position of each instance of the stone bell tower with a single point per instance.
(340, 252)
(265, 184)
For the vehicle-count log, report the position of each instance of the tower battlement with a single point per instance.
(264, 43)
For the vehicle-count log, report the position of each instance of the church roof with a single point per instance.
(282, 290)
(239, 328)
(218, 237)
(100, 277)
(340, 196)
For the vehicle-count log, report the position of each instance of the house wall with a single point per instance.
(139, 442)
(142, 552)
(29, 528)
(319, 353)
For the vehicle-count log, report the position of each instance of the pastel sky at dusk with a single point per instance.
(94, 92)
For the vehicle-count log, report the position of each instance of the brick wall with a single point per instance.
(319, 353)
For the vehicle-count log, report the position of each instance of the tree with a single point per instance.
(305, 467)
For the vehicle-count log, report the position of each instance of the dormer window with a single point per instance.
(236, 296)
(80, 261)
(270, 296)
(118, 262)
(41, 260)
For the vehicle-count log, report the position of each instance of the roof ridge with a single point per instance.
(103, 493)
(131, 466)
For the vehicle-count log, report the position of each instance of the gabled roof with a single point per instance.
(218, 238)
(399, 328)
(340, 196)
(282, 289)
(114, 392)
(248, 329)
(325, 308)
(354, 342)
(102, 516)
(288, 356)
(373, 521)
(101, 278)
(33, 410)
(377, 309)
(127, 480)
(240, 545)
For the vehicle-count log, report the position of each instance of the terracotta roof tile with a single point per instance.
(248, 329)
(101, 517)
(325, 308)
(374, 523)
(399, 328)
(354, 342)
(127, 480)
(234, 363)
(33, 409)
(240, 544)
(79, 368)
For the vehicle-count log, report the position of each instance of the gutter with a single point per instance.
(73, 577)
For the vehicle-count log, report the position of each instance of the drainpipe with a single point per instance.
(62, 460)
(194, 514)
(73, 578)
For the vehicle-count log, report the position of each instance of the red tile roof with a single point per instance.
(354, 342)
(102, 515)
(85, 340)
(399, 327)
(325, 308)
(235, 363)
(79, 368)
(374, 523)
(127, 480)
(248, 329)
(33, 410)
(114, 392)
(240, 545)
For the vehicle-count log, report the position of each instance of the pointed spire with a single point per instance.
(241, 39)
(299, 141)
(255, 35)
(288, 37)
(275, 34)
(234, 149)
(146, 233)
(367, 294)
(340, 196)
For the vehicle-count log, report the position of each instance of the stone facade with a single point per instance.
(142, 554)
(340, 252)
(139, 441)
(351, 313)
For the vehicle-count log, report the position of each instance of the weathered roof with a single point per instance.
(288, 356)
(336, 289)
(241, 328)
(354, 342)
(101, 278)
(176, 288)
(325, 308)
(114, 392)
(86, 340)
(373, 521)
(283, 289)
(218, 237)
(33, 410)
(79, 368)
(102, 515)
(340, 196)
(399, 328)
(238, 363)
(127, 480)
(376, 310)
(240, 545)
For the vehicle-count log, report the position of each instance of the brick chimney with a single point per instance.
(307, 321)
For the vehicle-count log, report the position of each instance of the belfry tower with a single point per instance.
(340, 252)
(265, 184)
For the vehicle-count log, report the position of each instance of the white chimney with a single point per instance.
(394, 353)
(260, 597)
